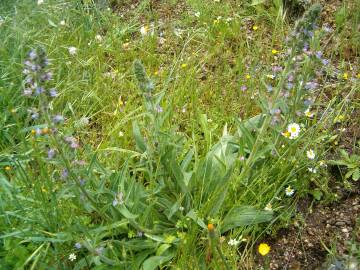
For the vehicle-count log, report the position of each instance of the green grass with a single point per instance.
(212, 155)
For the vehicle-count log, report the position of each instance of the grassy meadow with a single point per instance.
(178, 134)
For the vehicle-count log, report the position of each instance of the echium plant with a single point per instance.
(290, 92)
(49, 137)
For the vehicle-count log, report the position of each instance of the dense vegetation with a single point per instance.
(179, 135)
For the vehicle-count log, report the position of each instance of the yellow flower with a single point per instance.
(358, 76)
(210, 227)
(345, 76)
(184, 65)
(286, 134)
(247, 76)
(273, 51)
(33, 131)
(264, 249)
(45, 131)
(255, 28)
(7, 168)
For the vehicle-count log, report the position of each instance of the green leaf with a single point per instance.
(257, 2)
(356, 174)
(195, 218)
(317, 194)
(162, 249)
(243, 216)
(139, 139)
(155, 261)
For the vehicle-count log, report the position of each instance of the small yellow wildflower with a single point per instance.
(7, 168)
(264, 249)
(184, 65)
(273, 51)
(345, 76)
(13, 110)
(45, 131)
(286, 134)
(358, 76)
(270, 76)
(210, 227)
(247, 76)
(33, 131)
(255, 27)
(156, 73)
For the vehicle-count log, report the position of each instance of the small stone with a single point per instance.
(344, 230)
(340, 223)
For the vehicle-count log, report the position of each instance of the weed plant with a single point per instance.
(171, 195)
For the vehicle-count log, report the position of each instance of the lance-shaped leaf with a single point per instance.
(243, 216)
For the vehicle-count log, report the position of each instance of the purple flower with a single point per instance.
(277, 69)
(311, 85)
(72, 141)
(319, 54)
(289, 86)
(32, 55)
(53, 92)
(34, 115)
(243, 88)
(74, 145)
(39, 90)
(276, 111)
(269, 88)
(77, 245)
(325, 62)
(51, 153)
(158, 109)
(308, 102)
(64, 173)
(58, 118)
(327, 29)
(82, 181)
(46, 76)
(291, 78)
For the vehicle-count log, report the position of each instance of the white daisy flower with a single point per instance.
(310, 154)
(312, 170)
(39, 2)
(72, 50)
(289, 191)
(72, 257)
(294, 130)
